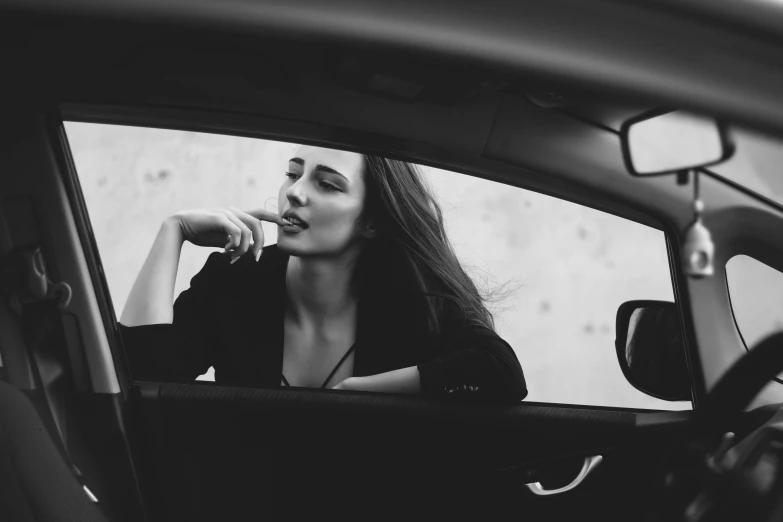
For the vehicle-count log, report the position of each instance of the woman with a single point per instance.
(362, 292)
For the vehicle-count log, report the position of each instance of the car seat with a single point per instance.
(36, 483)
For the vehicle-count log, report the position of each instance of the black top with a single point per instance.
(232, 318)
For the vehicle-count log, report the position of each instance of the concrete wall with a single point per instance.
(575, 265)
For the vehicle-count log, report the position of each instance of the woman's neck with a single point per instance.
(319, 289)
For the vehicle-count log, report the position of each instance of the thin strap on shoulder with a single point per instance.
(350, 350)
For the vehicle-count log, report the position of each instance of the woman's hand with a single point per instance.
(345, 385)
(404, 380)
(228, 228)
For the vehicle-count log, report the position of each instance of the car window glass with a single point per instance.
(558, 270)
(756, 292)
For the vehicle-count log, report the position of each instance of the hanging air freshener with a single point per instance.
(698, 249)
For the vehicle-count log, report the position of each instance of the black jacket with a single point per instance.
(231, 318)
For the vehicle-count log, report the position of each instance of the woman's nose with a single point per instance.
(295, 194)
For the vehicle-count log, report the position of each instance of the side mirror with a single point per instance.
(667, 142)
(651, 351)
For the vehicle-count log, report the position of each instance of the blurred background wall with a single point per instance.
(572, 266)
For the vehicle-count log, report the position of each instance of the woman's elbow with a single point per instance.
(511, 391)
(510, 383)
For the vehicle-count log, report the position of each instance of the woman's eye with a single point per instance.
(294, 176)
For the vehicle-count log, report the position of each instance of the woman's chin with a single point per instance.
(285, 244)
(291, 246)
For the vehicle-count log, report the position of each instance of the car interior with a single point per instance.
(538, 96)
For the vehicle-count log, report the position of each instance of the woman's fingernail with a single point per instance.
(258, 255)
(234, 260)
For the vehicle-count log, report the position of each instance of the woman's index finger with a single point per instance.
(265, 215)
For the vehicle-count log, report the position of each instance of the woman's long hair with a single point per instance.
(411, 252)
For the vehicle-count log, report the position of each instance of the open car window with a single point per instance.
(554, 272)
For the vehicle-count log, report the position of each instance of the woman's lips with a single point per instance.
(294, 219)
(292, 229)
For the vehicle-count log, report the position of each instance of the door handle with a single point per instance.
(590, 464)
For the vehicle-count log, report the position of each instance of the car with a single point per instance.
(540, 95)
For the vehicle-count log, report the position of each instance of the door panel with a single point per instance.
(210, 451)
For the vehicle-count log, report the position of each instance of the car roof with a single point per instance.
(709, 55)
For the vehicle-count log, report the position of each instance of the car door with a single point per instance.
(206, 451)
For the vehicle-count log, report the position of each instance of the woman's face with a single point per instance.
(325, 189)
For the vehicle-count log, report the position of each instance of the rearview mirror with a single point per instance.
(650, 349)
(663, 143)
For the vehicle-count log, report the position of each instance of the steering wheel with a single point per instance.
(744, 480)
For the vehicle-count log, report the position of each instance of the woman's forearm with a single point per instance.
(151, 300)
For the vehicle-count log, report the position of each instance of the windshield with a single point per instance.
(755, 164)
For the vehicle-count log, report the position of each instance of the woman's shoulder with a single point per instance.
(271, 257)
(238, 285)
(219, 269)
